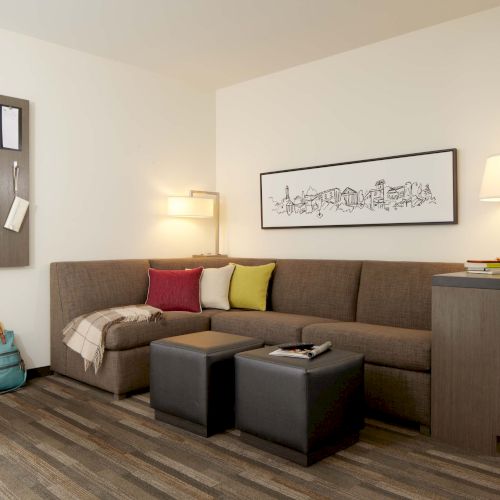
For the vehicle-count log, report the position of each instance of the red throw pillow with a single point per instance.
(175, 290)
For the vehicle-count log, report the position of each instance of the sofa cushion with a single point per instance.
(382, 345)
(130, 335)
(84, 287)
(325, 288)
(271, 327)
(190, 262)
(399, 293)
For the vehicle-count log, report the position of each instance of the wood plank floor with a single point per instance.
(63, 439)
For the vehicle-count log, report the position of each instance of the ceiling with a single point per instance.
(216, 43)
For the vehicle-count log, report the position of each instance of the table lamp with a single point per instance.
(490, 188)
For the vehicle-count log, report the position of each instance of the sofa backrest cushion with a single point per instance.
(188, 263)
(89, 286)
(325, 288)
(399, 293)
(191, 262)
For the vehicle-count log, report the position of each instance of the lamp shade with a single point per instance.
(490, 189)
(189, 206)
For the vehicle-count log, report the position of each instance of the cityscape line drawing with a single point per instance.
(410, 195)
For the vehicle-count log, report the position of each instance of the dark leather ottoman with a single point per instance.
(192, 379)
(300, 409)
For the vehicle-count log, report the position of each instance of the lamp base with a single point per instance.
(207, 255)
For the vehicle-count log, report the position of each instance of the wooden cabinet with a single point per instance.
(465, 408)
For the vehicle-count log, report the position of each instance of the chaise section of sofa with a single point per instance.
(82, 287)
(78, 288)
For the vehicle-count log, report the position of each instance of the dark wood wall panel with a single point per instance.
(14, 247)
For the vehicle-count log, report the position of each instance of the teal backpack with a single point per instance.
(12, 372)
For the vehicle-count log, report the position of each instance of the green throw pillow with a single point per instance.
(249, 286)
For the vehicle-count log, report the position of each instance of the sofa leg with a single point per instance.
(118, 397)
(425, 430)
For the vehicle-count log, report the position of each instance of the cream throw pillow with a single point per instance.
(215, 283)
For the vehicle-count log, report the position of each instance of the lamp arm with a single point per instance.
(216, 194)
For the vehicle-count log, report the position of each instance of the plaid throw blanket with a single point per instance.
(86, 334)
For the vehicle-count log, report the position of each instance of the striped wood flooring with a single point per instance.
(63, 439)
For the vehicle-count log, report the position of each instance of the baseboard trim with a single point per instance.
(41, 371)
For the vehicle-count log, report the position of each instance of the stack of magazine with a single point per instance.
(483, 266)
(301, 350)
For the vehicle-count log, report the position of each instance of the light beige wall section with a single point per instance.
(108, 143)
(432, 89)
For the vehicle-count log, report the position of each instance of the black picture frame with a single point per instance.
(450, 189)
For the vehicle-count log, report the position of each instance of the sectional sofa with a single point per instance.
(378, 308)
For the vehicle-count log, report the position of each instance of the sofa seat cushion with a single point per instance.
(130, 335)
(390, 346)
(272, 327)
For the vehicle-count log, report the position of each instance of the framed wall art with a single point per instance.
(418, 188)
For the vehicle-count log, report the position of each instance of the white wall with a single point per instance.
(432, 89)
(108, 142)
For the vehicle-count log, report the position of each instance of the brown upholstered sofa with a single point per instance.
(381, 309)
